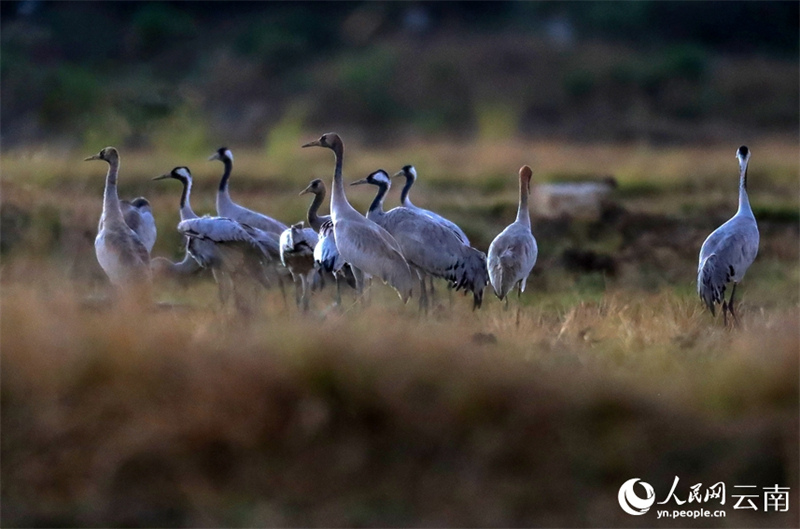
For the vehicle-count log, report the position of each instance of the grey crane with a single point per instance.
(428, 246)
(120, 251)
(410, 174)
(362, 243)
(180, 271)
(199, 253)
(239, 257)
(513, 252)
(218, 246)
(326, 245)
(730, 249)
(139, 217)
(228, 208)
(297, 254)
(326, 256)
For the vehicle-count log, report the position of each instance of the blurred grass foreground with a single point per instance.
(136, 417)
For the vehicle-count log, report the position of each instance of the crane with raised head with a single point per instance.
(362, 243)
(729, 251)
(120, 251)
(512, 254)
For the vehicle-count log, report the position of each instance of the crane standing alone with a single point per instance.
(120, 251)
(730, 249)
(513, 252)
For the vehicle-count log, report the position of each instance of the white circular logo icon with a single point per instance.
(630, 502)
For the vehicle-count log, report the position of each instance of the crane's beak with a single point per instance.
(315, 143)
(306, 190)
(213, 157)
(92, 157)
(162, 177)
(398, 173)
(359, 182)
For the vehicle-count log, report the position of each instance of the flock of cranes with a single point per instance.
(403, 247)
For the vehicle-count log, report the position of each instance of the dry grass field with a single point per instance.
(183, 414)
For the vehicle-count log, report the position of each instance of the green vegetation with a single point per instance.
(241, 69)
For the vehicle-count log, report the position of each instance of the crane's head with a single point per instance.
(222, 154)
(743, 154)
(179, 173)
(408, 171)
(109, 154)
(141, 203)
(316, 186)
(379, 178)
(331, 140)
(525, 175)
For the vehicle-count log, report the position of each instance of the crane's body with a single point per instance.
(429, 247)
(121, 253)
(362, 243)
(729, 250)
(410, 174)
(228, 208)
(138, 216)
(297, 254)
(512, 254)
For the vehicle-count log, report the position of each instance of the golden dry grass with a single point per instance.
(183, 414)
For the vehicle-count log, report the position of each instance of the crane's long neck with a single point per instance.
(111, 208)
(744, 201)
(523, 215)
(376, 208)
(339, 203)
(313, 217)
(186, 208)
(223, 196)
(404, 200)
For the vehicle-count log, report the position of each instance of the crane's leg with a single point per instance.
(319, 279)
(730, 305)
(304, 280)
(338, 299)
(283, 289)
(358, 275)
(433, 291)
(724, 313)
(223, 285)
(423, 293)
(506, 305)
(297, 290)
(519, 301)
